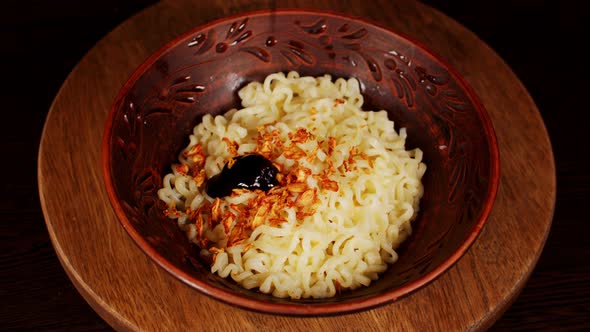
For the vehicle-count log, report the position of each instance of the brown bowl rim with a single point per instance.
(297, 308)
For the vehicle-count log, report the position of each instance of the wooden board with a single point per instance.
(131, 293)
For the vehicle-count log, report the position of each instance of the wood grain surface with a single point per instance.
(130, 292)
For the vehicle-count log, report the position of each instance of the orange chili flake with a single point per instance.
(260, 215)
(239, 191)
(237, 208)
(199, 223)
(338, 101)
(171, 211)
(348, 163)
(196, 155)
(311, 156)
(200, 178)
(300, 136)
(274, 217)
(331, 145)
(329, 184)
(230, 163)
(297, 174)
(294, 152)
(182, 169)
(215, 212)
(236, 236)
(306, 199)
(228, 219)
(330, 169)
(301, 173)
(263, 127)
(298, 187)
(266, 141)
(216, 250)
(232, 146)
(248, 247)
(265, 148)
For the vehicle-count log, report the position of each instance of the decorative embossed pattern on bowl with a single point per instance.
(201, 71)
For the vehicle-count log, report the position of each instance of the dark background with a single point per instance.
(41, 41)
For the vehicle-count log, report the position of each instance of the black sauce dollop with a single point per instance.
(251, 171)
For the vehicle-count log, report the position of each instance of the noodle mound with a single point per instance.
(347, 195)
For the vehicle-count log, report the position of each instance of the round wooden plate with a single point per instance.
(132, 293)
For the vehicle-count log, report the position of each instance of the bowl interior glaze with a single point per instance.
(201, 71)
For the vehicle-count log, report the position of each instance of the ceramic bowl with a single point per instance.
(201, 71)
